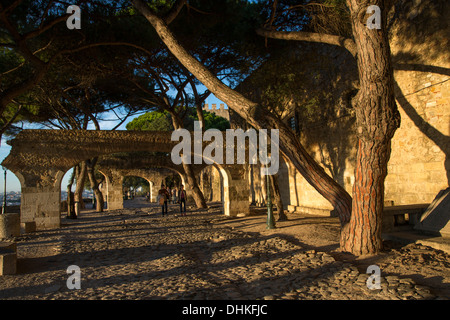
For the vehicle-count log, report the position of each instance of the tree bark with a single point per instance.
(90, 167)
(377, 119)
(198, 104)
(70, 197)
(310, 37)
(197, 194)
(277, 198)
(78, 194)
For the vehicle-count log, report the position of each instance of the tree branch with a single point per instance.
(10, 121)
(174, 11)
(343, 42)
(11, 7)
(222, 91)
(42, 29)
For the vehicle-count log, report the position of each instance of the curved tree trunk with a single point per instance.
(192, 182)
(197, 194)
(314, 173)
(70, 197)
(277, 198)
(200, 116)
(90, 167)
(78, 194)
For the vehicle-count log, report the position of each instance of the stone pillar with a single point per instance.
(260, 188)
(8, 258)
(156, 185)
(9, 225)
(236, 190)
(41, 198)
(150, 190)
(114, 189)
(205, 183)
(284, 184)
(216, 185)
(293, 188)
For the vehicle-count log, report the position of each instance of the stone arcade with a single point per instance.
(40, 158)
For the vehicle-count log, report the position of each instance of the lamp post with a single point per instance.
(4, 195)
(270, 219)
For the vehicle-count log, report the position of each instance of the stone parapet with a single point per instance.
(8, 258)
(9, 225)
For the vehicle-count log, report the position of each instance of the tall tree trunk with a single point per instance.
(200, 116)
(90, 167)
(277, 198)
(70, 197)
(197, 194)
(78, 195)
(377, 119)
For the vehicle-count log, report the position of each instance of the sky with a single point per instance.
(13, 184)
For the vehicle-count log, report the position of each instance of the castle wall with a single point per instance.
(221, 111)
(419, 166)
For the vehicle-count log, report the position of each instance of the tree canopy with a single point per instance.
(160, 121)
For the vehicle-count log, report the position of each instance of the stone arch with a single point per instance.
(20, 177)
(114, 182)
(149, 181)
(226, 178)
(41, 157)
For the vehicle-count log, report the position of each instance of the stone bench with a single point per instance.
(8, 258)
(405, 215)
(311, 210)
(9, 225)
(28, 227)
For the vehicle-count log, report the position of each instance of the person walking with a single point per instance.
(163, 196)
(169, 198)
(182, 200)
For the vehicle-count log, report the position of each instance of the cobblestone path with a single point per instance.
(137, 254)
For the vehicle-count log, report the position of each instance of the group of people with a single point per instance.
(176, 196)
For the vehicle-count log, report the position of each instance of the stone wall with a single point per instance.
(221, 111)
(211, 183)
(420, 161)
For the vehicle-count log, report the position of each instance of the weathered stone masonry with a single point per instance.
(39, 158)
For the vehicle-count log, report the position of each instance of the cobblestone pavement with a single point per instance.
(137, 254)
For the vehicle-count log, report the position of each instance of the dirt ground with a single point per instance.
(44, 254)
(425, 265)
